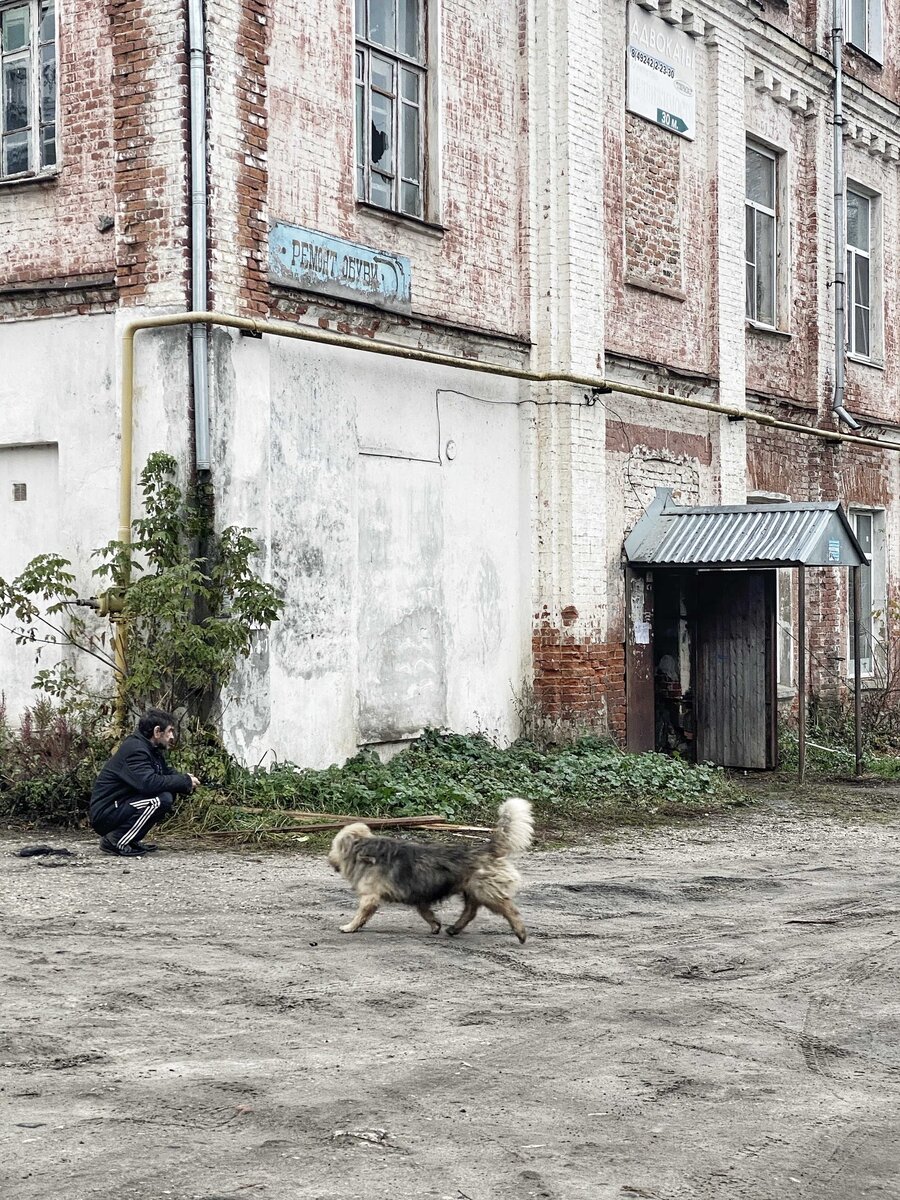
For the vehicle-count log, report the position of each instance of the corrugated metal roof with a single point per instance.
(774, 535)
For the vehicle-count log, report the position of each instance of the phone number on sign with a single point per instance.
(649, 61)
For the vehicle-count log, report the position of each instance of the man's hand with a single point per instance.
(195, 782)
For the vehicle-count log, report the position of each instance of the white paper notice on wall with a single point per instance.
(642, 633)
(660, 73)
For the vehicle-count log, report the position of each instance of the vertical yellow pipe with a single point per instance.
(126, 455)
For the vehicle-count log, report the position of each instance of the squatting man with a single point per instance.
(136, 789)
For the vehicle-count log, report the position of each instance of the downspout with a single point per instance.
(199, 247)
(840, 227)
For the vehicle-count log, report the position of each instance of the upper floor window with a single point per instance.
(863, 22)
(761, 234)
(859, 273)
(27, 87)
(390, 104)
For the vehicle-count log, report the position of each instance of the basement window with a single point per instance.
(391, 81)
(27, 88)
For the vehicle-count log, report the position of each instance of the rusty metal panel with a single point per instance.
(640, 701)
(734, 668)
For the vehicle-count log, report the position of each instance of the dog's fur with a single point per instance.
(390, 871)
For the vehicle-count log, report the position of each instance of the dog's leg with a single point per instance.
(506, 908)
(467, 915)
(368, 906)
(428, 915)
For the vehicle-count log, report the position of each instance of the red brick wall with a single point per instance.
(149, 93)
(578, 681)
(50, 230)
(652, 204)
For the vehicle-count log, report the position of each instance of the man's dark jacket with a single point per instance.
(137, 769)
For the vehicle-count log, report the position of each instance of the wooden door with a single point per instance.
(734, 678)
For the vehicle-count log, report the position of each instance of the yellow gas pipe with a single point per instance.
(394, 350)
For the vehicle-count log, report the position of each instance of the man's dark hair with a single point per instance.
(153, 717)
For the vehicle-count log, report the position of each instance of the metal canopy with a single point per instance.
(743, 535)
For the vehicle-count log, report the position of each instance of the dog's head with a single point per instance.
(344, 843)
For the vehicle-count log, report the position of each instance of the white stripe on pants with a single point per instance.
(149, 807)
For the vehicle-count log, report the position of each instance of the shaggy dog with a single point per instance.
(389, 871)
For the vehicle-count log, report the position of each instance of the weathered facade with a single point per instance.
(469, 181)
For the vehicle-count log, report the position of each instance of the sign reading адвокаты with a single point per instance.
(660, 73)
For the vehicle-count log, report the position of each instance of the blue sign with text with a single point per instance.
(303, 258)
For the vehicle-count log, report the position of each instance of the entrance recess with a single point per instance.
(700, 624)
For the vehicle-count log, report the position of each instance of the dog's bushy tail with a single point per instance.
(514, 829)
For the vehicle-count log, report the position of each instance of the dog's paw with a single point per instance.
(351, 928)
(452, 931)
(436, 928)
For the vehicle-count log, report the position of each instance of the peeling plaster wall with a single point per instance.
(65, 450)
(401, 565)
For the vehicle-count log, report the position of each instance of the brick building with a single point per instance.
(492, 194)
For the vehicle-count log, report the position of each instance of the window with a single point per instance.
(869, 530)
(27, 88)
(863, 26)
(390, 104)
(859, 254)
(760, 234)
(784, 617)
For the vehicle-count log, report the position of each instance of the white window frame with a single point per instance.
(38, 134)
(755, 214)
(872, 614)
(863, 25)
(400, 185)
(857, 255)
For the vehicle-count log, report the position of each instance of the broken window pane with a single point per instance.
(381, 129)
(389, 100)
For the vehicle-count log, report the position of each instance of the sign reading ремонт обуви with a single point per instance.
(316, 262)
(660, 76)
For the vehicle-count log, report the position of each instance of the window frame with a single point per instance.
(761, 211)
(869, 255)
(38, 123)
(870, 40)
(872, 621)
(404, 67)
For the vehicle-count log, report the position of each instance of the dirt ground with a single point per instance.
(706, 1011)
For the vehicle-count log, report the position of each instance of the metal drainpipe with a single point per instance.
(199, 249)
(840, 228)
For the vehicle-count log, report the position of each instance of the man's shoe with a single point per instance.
(109, 847)
(146, 847)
